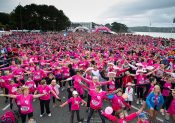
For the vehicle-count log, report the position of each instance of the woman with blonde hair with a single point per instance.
(25, 102)
(154, 102)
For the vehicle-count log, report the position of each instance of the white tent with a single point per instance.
(82, 28)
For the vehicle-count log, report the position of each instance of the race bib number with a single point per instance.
(24, 108)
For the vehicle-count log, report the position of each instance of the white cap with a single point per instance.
(75, 93)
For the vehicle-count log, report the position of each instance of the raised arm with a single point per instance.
(151, 72)
(64, 104)
(84, 102)
(38, 95)
(132, 74)
(132, 66)
(68, 79)
(10, 95)
(54, 94)
(86, 80)
(84, 86)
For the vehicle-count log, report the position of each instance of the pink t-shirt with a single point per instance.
(58, 73)
(111, 86)
(8, 78)
(75, 103)
(38, 75)
(20, 73)
(2, 81)
(171, 108)
(76, 79)
(140, 79)
(12, 88)
(166, 92)
(97, 99)
(88, 76)
(116, 103)
(66, 73)
(25, 103)
(31, 85)
(42, 90)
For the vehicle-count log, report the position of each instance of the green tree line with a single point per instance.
(38, 17)
(117, 27)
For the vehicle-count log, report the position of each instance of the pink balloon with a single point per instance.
(108, 110)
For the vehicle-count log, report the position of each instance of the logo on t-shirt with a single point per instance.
(14, 89)
(26, 102)
(95, 102)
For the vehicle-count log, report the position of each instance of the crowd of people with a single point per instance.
(92, 67)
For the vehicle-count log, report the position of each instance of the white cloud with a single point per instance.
(129, 12)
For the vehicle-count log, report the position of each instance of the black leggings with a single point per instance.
(140, 92)
(72, 116)
(165, 100)
(23, 117)
(6, 92)
(88, 101)
(44, 103)
(91, 113)
(11, 103)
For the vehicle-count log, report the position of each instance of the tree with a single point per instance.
(108, 25)
(117, 27)
(4, 20)
(39, 17)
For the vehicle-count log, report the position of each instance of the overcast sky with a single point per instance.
(129, 12)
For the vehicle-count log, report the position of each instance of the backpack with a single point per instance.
(9, 117)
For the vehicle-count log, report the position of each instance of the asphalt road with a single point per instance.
(62, 115)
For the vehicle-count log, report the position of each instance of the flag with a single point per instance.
(174, 20)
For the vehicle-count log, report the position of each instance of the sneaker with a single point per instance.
(49, 115)
(141, 102)
(41, 115)
(137, 102)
